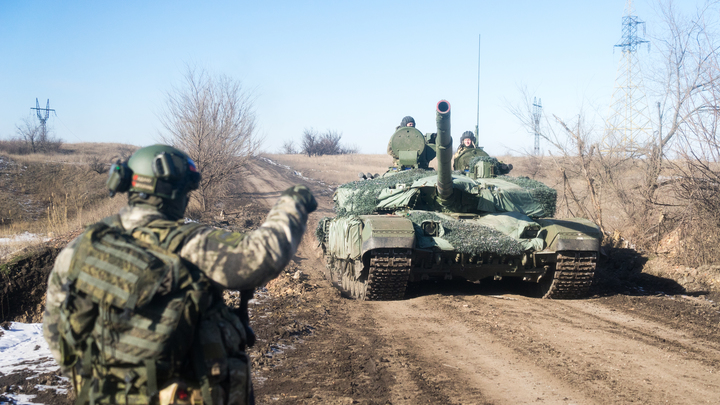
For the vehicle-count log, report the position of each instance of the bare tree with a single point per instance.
(328, 143)
(37, 137)
(689, 114)
(30, 132)
(288, 148)
(576, 157)
(212, 118)
(309, 141)
(686, 84)
(646, 190)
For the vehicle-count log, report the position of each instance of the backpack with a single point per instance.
(138, 317)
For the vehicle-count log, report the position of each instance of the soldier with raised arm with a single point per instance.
(134, 310)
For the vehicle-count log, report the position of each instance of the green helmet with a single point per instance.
(157, 170)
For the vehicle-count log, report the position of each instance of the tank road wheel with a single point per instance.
(571, 278)
(389, 274)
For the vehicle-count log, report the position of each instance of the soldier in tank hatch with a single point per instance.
(467, 140)
(134, 310)
(407, 121)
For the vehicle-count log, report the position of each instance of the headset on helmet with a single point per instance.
(158, 170)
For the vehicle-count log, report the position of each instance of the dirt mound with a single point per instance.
(24, 281)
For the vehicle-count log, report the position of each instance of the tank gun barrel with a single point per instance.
(444, 150)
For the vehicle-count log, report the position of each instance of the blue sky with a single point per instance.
(354, 67)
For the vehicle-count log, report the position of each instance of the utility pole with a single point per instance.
(43, 117)
(537, 112)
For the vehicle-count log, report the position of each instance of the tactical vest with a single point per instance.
(141, 325)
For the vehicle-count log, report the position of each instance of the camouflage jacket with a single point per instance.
(232, 260)
(461, 148)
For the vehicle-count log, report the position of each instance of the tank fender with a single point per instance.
(576, 234)
(387, 231)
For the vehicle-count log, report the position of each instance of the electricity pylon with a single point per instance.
(43, 117)
(628, 125)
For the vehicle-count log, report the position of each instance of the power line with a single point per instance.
(66, 127)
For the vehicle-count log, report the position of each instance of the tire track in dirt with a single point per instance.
(523, 350)
(346, 361)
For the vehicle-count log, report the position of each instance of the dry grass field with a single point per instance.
(334, 169)
(338, 169)
(44, 195)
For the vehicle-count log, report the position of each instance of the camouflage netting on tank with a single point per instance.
(543, 194)
(499, 167)
(490, 159)
(366, 192)
(470, 238)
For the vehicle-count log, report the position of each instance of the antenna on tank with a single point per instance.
(477, 123)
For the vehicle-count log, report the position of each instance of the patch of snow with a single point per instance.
(294, 172)
(20, 399)
(24, 237)
(23, 347)
(24, 344)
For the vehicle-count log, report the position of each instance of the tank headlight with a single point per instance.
(430, 228)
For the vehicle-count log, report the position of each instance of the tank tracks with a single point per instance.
(389, 274)
(573, 275)
(387, 278)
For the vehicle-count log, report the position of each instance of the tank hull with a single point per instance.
(381, 254)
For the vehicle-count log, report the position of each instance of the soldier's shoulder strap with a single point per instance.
(174, 233)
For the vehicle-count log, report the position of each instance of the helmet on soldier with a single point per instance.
(467, 135)
(407, 121)
(157, 175)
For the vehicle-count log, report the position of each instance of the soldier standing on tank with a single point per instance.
(230, 260)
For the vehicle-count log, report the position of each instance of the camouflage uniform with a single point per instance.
(461, 148)
(232, 260)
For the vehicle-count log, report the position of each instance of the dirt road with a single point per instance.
(638, 339)
(460, 343)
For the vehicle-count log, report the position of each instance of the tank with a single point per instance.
(475, 223)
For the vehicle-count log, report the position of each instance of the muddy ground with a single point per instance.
(648, 334)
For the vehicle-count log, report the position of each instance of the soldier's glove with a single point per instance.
(304, 196)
